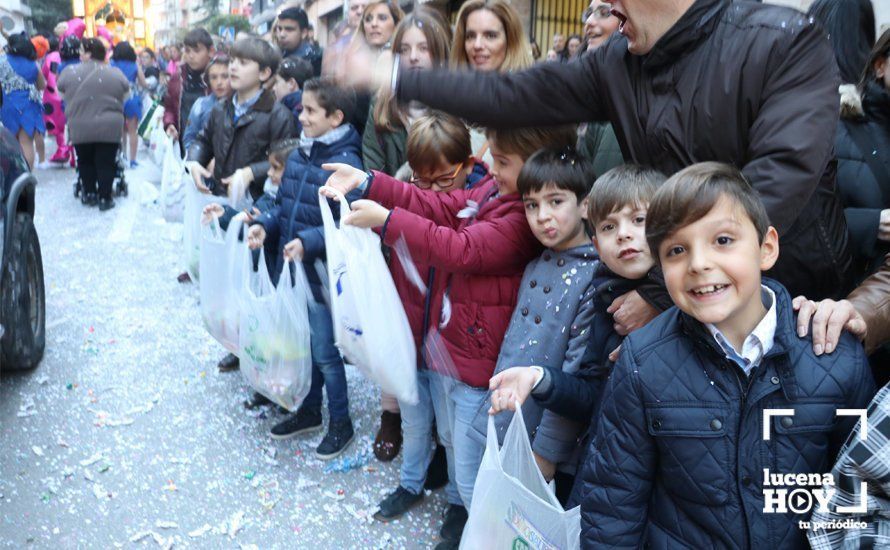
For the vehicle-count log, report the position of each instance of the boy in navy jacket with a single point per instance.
(295, 223)
(684, 443)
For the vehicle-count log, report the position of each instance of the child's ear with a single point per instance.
(265, 75)
(769, 250)
(338, 117)
(292, 84)
(596, 244)
(584, 204)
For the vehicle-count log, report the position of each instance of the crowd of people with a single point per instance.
(636, 244)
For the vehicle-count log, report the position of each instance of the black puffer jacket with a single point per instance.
(744, 83)
(244, 143)
(863, 171)
(679, 454)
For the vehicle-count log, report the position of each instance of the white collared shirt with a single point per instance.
(758, 343)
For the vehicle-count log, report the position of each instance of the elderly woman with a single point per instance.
(94, 96)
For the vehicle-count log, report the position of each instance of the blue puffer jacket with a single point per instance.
(296, 212)
(679, 456)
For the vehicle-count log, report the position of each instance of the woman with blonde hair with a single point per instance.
(375, 32)
(378, 24)
(489, 36)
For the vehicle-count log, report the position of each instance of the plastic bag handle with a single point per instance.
(491, 441)
(326, 215)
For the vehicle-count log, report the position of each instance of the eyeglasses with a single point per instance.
(442, 182)
(603, 11)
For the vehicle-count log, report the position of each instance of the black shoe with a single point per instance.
(396, 504)
(89, 199)
(339, 436)
(184, 278)
(256, 401)
(229, 363)
(301, 422)
(453, 526)
(448, 545)
(106, 204)
(437, 472)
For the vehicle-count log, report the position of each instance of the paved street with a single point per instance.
(127, 436)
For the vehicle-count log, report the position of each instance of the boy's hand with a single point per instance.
(510, 388)
(344, 179)
(198, 173)
(829, 318)
(237, 184)
(630, 312)
(366, 214)
(294, 250)
(211, 211)
(256, 236)
(548, 469)
(172, 132)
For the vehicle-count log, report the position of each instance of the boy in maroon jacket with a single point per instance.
(480, 242)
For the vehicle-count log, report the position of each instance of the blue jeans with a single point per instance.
(327, 366)
(459, 402)
(417, 426)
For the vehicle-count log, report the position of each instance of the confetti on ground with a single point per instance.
(119, 427)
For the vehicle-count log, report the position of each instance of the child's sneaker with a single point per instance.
(133, 164)
(339, 436)
(303, 421)
(453, 526)
(229, 363)
(396, 504)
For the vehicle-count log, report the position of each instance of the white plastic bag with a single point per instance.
(159, 142)
(222, 281)
(274, 348)
(173, 183)
(513, 507)
(195, 201)
(370, 325)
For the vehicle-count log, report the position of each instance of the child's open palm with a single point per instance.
(344, 179)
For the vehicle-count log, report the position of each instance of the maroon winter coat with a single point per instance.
(479, 259)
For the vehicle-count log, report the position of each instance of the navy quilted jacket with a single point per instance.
(678, 458)
(296, 212)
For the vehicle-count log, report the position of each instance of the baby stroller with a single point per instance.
(120, 179)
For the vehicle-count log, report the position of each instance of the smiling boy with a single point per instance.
(679, 453)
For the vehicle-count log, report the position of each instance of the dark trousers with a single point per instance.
(97, 164)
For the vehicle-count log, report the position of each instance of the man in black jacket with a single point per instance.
(688, 81)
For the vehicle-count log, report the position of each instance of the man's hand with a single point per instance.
(237, 184)
(548, 469)
(294, 250)
(364, 69)
(198, 173)
(828, 318)
(172, 132)
(631, 312)
(344, 179)
(211, 211)
(510, 388)
(366, 214)
(256, 236)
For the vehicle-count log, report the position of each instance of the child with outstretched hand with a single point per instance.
(479, 242)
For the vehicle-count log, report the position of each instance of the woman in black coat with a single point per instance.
(863, 152)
